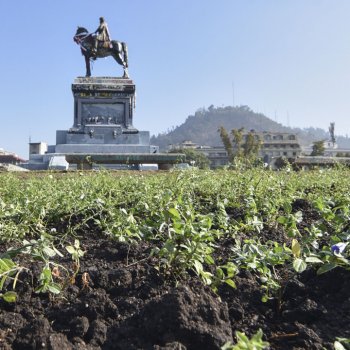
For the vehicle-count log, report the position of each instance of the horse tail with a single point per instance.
(125, 51)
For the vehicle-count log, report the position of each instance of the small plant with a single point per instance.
(342, 344)
(244, 343)
(189, 241)
(299, 264)
(46, 282)
(9, 271)
(224, 275)
(262, 259)
(290, 220)
(76, 253)
(335, 256)
(42, 249)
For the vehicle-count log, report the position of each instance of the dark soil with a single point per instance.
(128, 304)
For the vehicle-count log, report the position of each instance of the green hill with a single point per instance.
(201, 128)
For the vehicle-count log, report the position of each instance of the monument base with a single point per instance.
(103, 131)
(86, 161)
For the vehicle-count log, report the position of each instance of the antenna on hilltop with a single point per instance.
(233, 94)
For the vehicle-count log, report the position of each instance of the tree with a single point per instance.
(193, 157)
(225, 138)
(318, 148)
(237, 149)
(252, 146)
(237, 135)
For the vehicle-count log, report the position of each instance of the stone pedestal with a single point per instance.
(103, 131)
(103, 119)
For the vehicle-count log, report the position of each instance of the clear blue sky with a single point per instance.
(289, 57)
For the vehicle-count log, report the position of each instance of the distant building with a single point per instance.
(273, 145)
(10, 158)
(37, 148)
(331, 149)
(42, 157)
(217, 155)
(310, 162)
(278, 144)
(183, 145)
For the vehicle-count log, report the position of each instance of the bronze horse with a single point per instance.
(118, 50)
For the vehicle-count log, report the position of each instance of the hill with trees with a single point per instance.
(202, 127)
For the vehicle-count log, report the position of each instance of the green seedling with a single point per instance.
(262, 259)
(46, 282)
(9, 271)
(244, 343)
(76, 253)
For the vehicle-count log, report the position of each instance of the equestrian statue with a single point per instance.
(99, 44)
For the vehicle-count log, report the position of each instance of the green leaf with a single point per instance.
(338, 346)
(231, 269)
(174, 214)
(325, 268)
(10, 297)
(299, 265)
(296, 248)
(298, 216)
(6, 265)
(3, 279)
(287, 207)
(313, 259)
(231, 283)
(252, 265)
(207, 277)
(227, 346)
(282, 220)
(209, 260)
(54, 288)
(58, 252)
(49, 252)
(70, 249)
(219, 273)
(242, 337)
(198, 266)
(80, 253)
(264, 298)
(340, 259)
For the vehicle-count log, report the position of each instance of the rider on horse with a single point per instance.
(103, 36)
(101, 45)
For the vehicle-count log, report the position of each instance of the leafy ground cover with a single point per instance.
(183, 260)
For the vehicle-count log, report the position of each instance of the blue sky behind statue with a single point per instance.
(287, 59)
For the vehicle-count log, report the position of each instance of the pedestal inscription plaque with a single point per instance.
(103, 101)
(103, 119)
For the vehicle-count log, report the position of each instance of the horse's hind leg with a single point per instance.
(87, 63)
(118, 57)
(125, 52)
(121, 54)
(126, 73)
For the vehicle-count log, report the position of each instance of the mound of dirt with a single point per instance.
(128, 304)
